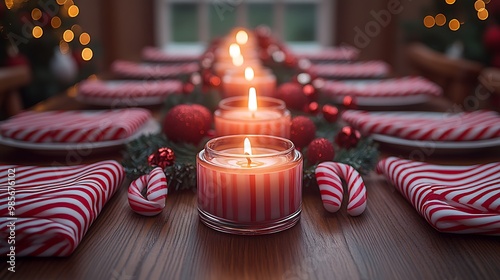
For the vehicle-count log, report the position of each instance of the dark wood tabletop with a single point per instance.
(390, 240)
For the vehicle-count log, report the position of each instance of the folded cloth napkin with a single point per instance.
(467, 126)
(74, 126)
(134, 70)
(48, 210)
(129, 88)
(157, 55)
(344, 53)
(397, 87)
(454, 199)
(367, 69)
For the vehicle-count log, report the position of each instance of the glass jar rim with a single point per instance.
(212, 152)
(272, 103)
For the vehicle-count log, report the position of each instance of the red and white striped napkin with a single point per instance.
(355, 70)
(74, 126)
(344, 53)
(153, 54)
(128, 88)
(467, 126)
(134, 70)
(397, 87)
(453, 199)
(53, 206)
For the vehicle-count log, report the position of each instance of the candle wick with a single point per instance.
(248, 160)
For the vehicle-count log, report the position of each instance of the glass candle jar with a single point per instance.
(256, 191)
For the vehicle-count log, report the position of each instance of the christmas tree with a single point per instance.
(45, 36)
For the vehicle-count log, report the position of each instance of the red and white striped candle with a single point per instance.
(236, 115)
(246, 190)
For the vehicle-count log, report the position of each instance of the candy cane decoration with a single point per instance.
(156, 196)
(330, 185)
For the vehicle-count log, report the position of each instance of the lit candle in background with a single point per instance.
(236, 82)
(249, 184)
(249, 115)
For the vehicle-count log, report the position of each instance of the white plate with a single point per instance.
(120, 101)
(441, 145)
(149, 127)
(381, 101)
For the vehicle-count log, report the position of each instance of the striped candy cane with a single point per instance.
(156, 184)
(330, 185)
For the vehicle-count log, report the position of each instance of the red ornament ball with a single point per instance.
(187, 123)
(330, 113)
(293, 95)
(347, 137)
(302, 131)
(163, 157)
(320, 150)
(350, 102)
(313, 108)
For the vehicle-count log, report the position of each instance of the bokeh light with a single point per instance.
(37, 32)
(36, 14)
(482, 14)
(454, 24)
(84, 38)
(440, 19)
(55, 22)
(73, 11)
(479, 4)
(68, 36)
(429, 21)
(87, 54)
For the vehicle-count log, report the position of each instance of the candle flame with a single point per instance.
(249, 73)
(234, 50)
(252, 100)
(238, 60)
(247, 150)
(241, 37)
(247, 147)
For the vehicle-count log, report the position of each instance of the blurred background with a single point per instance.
(60, 42)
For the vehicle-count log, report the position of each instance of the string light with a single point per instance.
(87, 54)
(61, 2)
(450, 2)
(76, 28)
(454, 24)
(37, 32)
(36, 14)
(84, 38)
(429, 21)
(68, 36)
(73, 11)
(440, 19)
(55, 22)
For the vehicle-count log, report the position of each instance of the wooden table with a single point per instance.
(389, 241)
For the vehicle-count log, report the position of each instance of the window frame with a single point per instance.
(324, 35)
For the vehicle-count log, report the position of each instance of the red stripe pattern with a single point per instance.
(453, 199)
(74, 126)
(156, 55)
(467, 126)
(156, 193)
(249, 198)
(344, 53)
(54, 206)
(133, 70)
(328, 176)
(130, 89)
(368, 69)
(405, 86)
